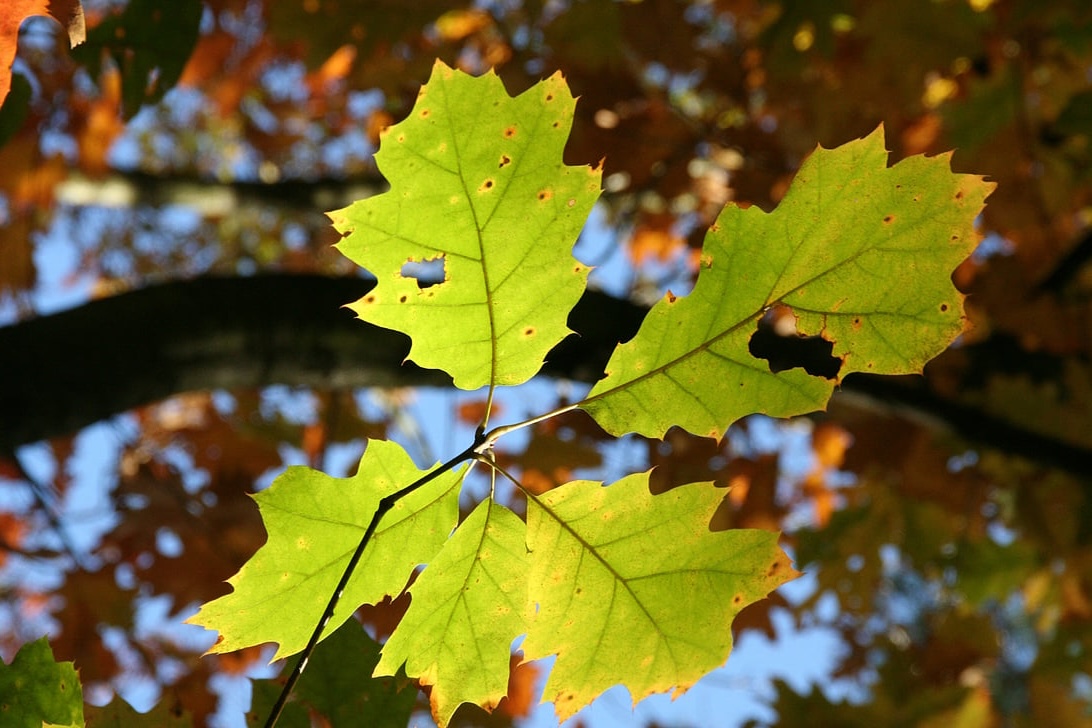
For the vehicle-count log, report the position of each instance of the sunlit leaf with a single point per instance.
(861, 253)
(468, 606)
(635, 589)
(315, 522)
(472, 244)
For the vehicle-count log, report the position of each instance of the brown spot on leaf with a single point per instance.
(401, 138)
(425, 113)
(486, 186)
(402, 299)
(544, 195)
(959, 195)
(943, 307)
(557, 124)
(572, 202)
(529, 331)
(509, 132)
(549, 97)
(671, 297)
(504, 160)
(737, 600)
(889, 219)
(369, 299)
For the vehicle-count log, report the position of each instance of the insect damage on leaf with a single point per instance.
(859, 252)
(477, 179)
(428, 272)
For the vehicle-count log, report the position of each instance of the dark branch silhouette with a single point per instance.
(62, 372)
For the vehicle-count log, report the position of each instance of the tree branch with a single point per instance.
(62, 372)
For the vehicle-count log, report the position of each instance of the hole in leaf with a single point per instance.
(426, 272)
(784, 349)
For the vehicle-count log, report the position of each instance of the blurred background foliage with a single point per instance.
(946, 521)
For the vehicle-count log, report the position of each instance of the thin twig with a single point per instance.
(52, 515)
(488, 440)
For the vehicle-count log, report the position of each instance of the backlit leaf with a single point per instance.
(314, 523)
(472, 244)
(635, 589)
(68, 13)
(467, 607)
(860, 252)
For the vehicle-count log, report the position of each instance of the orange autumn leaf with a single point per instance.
(208, 59)
(377, 121)
(238, 663)
(13, 530)
(68, 13)
(102, 126)
(522, 680)
(655, 239)
(829, 443)
(314, 441)
(455, 25)
(473, 412)
(333, 70)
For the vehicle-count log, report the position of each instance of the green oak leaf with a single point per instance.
(119, 714)
(315, 523)
(477, 180)
(36, 690)
(467, 607)
(337, 687)
(635, 589)
(861, 253)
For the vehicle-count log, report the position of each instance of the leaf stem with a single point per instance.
(489, 439)
(385, 504)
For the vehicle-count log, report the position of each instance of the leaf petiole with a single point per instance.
(489, 439)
